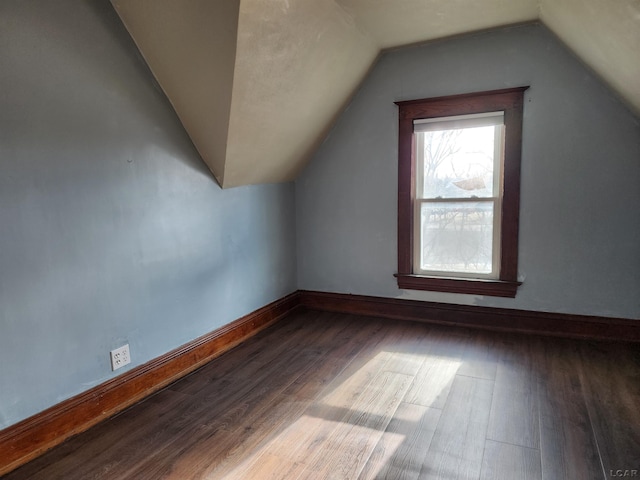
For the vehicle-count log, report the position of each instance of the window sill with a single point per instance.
(473, 286)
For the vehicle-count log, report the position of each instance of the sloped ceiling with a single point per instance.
(258, 84)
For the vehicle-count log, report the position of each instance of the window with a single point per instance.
(459, 192)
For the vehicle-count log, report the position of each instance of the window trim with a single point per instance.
(510, 101)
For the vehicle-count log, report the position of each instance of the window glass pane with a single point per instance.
(459, 163)
(457, 237)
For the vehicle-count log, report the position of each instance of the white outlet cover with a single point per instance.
(120, 357)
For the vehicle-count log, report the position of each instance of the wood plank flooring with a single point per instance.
(333, 396)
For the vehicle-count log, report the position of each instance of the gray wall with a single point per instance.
(112, 230)
(580, 215)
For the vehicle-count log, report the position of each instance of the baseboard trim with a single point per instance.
(31, 437)
(499, 319)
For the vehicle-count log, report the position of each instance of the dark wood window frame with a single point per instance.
(510, 101)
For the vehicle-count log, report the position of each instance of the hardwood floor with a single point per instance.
(322, 395)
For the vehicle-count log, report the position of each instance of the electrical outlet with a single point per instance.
(120, 357)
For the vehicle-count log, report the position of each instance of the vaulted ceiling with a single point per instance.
(257, 84)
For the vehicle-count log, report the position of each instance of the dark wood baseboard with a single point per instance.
(502, 319)
(26, 440)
